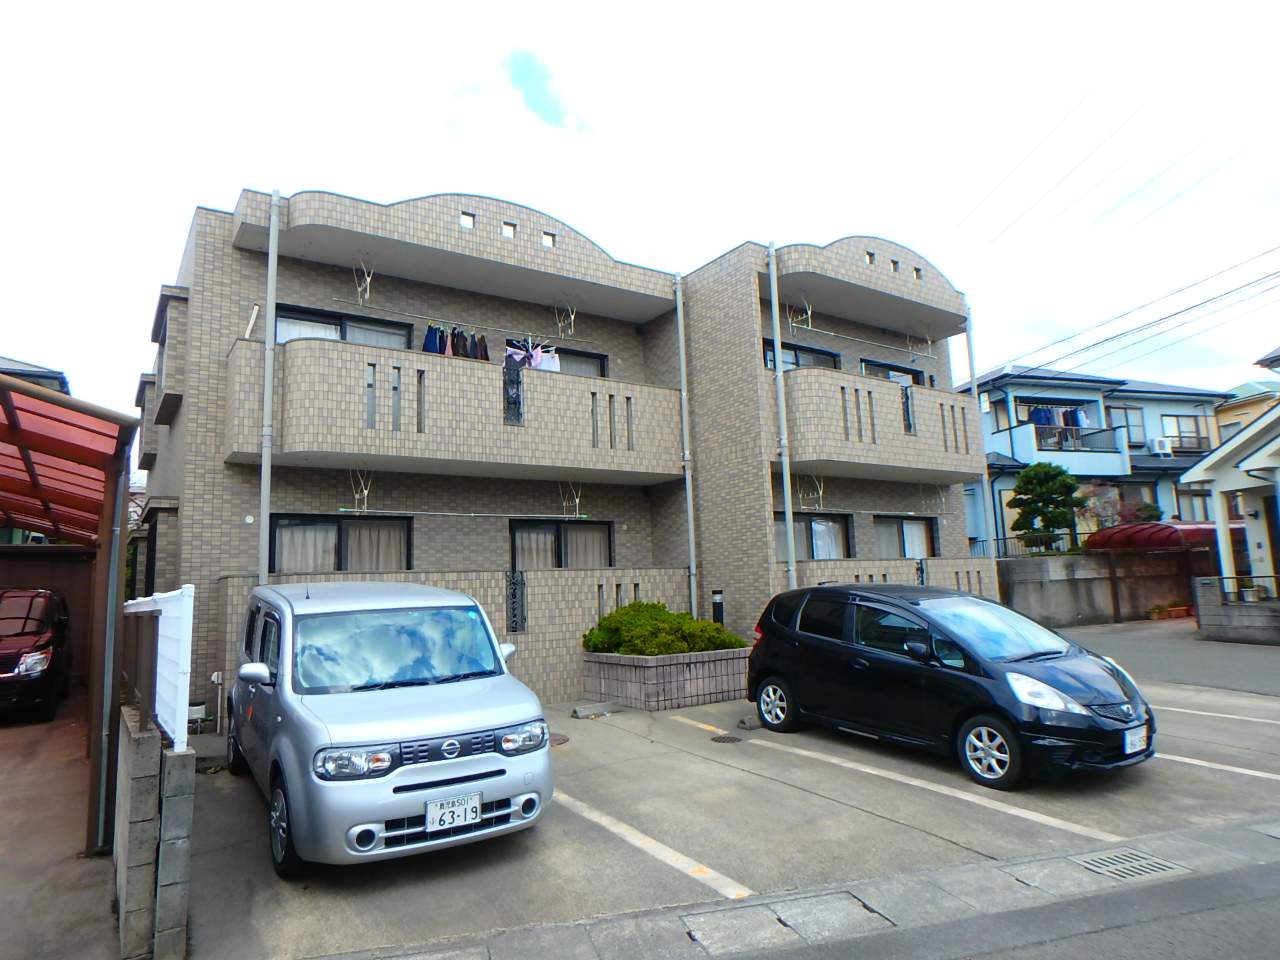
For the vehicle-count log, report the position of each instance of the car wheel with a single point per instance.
(776, 706)
(284, 858)
(236, 765)
(990, 752)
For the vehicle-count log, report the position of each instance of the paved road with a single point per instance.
(654, 814)
(1167, 650)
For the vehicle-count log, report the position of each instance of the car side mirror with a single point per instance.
(255, 673)
(508, 650)
(917, 650)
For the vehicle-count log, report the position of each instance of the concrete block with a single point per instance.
(654, 938)
(172, 903)
(988, 888)
(174, 864)
(144, 798)
(178, 773)
(911, 901)
(836, 916)
(135, 934)
(1060, 877)
(176, 817)
(543, 943)
(170, 944)
(139, 891)
(739, 929)
(140, 846)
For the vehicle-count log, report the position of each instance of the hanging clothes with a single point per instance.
(482, 349)
(473, 348)
(448, 345)
(1041, 416)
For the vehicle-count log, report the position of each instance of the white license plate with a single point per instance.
(1135, 740)
(456, 811)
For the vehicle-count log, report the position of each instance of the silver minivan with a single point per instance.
(381, 720)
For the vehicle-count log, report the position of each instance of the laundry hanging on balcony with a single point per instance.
(455, 343)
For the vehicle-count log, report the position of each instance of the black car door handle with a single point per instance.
(858, 663)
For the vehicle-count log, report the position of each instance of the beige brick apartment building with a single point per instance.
(550, 496)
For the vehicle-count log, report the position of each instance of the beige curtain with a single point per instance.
(535, 547)
(306, 548)
(586, 546)
(888, 539)
(373, 545)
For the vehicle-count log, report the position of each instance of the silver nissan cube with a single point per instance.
(380, 720)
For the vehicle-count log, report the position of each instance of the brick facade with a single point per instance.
(449, 454)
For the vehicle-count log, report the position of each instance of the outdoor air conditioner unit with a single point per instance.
(1162, 446)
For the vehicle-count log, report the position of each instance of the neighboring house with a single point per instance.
(1126, 441)
(50, 380)
(1247, 402)
(1245, 469)
(553, 497)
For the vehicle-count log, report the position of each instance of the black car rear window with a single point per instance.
(784, 608)
(823, 617)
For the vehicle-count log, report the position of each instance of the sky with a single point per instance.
(1061, 165)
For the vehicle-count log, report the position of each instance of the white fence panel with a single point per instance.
(173, 657)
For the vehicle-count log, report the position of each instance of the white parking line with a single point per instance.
(1221, 766)
(658, 850)
(1224, 716)
(991, 804)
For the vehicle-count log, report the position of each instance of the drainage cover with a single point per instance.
(558, 739)
(1125, 863)
(726, 738)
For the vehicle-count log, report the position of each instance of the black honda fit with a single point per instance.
(948, 671)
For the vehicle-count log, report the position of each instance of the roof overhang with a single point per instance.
(848, 300)
(1237, 449)
(56, 457)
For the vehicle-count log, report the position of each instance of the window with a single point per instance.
(949, 653)
(818, 536)
(887, 630)
(548, 239)
(1229, 430)
(1136, 493)
(994, 631)
(784, 608)
(1190, 433)
(919, 273)
(508, 229)
(295, 324)
(269, 648)
(561, 544)
(250, 628)
(580, 363)
(904, 537)
(1131, 419)
(903, 376)
(794, 356)
(320, 544)
(467, 221)
(823, 617)
(1194, 505)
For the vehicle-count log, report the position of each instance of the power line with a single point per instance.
(1133, 310)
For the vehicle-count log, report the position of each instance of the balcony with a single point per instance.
(1083, 451)
(348, 405)
(972, 575)
(844, 425)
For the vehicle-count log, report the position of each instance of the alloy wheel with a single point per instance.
(773, 704)
(279, 825)
(987, 753)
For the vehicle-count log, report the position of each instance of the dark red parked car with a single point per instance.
(35, 656)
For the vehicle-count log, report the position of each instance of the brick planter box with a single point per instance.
(667, 682)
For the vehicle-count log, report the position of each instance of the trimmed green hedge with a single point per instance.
(651, 630)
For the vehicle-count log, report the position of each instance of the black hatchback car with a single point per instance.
(947, 671)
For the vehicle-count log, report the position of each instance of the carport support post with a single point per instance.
(1226, 549)
(268, 371)
(784, 452)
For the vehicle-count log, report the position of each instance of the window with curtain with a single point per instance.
(319, 544)
(903, 376)
(295, 328)
(1194, 504)
(794, 356)
(1131, 419)
(375, 334)
(582, 364)
(900, 538)
(1188, 432)
(569, 544)
(817, 536)
(293, 325)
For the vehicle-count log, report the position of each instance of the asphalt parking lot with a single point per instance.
(652, 812)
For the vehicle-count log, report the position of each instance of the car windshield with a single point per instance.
(377, 649)
(22, 612)
(993, 631)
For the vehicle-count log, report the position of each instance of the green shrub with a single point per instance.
(651, 630)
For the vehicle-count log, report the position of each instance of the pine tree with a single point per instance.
(1046, 501)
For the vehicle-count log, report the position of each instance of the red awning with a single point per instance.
(1158, 536)
(54, 456)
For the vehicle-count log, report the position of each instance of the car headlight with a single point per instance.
(354, 763)
(1035, 693)
(523, 738)
(35, 662)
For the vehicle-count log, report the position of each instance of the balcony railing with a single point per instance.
(1076, 438)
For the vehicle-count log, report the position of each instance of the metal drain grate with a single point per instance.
(558, 739)
(1125, 863)
(726, 738)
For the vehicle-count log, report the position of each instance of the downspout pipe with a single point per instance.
(784, 451)
(685, 460)
(268, 376)
(985, 487)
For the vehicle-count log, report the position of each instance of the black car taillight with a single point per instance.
(758, 634)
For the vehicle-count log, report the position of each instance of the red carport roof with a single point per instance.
(55, 457)
(1157, 536)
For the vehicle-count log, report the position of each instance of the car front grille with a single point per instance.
(1120, 712)
(429, 751)
(9, 662)
(405, 831)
